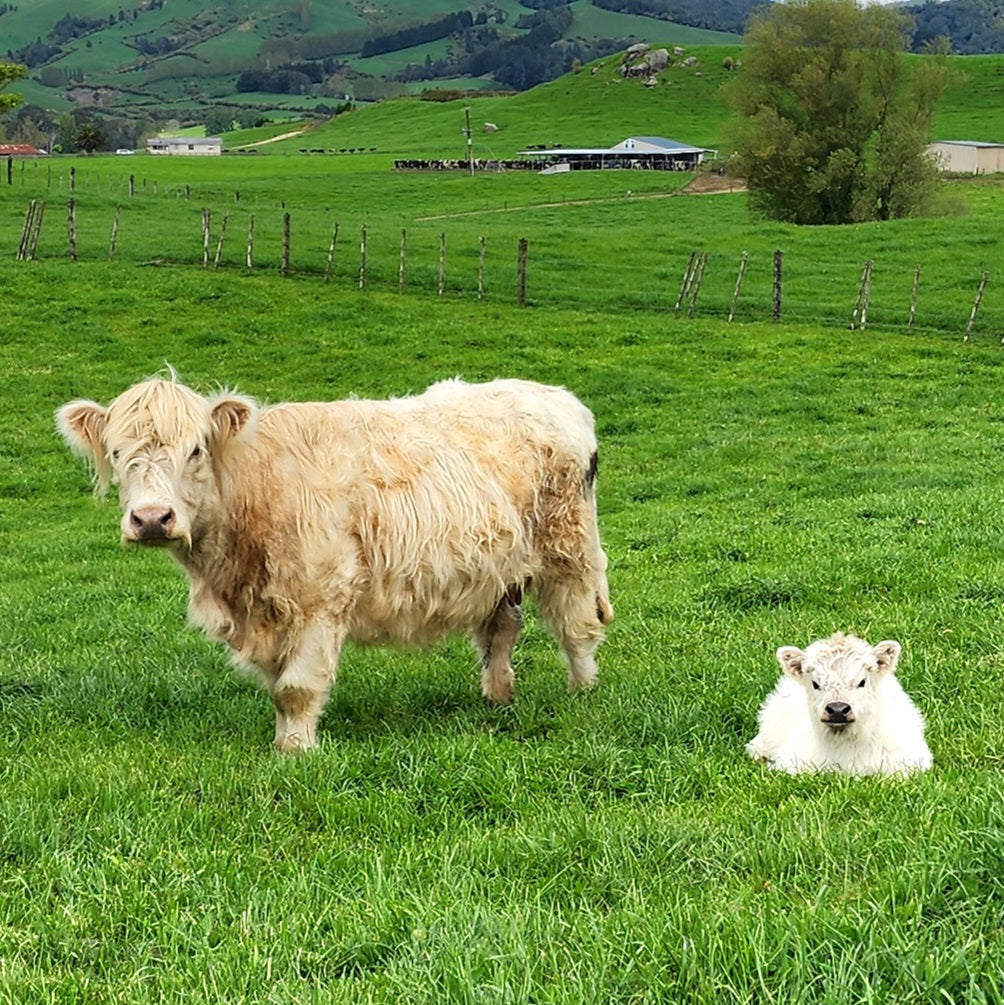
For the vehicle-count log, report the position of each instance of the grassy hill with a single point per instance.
(132, 60)
(595, 106)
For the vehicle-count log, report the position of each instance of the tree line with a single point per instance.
(967, 27)
(419, 34)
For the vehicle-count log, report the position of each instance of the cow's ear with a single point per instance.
(82, 425)
(791, 660)
(886, 656)
(232, 415)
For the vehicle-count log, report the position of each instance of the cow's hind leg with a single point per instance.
(301, 690)
(577, 607)
(494, 641)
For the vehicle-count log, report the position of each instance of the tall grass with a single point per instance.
(760, 485)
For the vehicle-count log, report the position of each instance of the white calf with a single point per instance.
(839, 707)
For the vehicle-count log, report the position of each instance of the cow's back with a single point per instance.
(424, 510)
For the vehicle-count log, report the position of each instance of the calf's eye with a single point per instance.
(862, 684)
(195, 454)
(815, 686)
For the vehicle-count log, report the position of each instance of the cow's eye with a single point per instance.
(863, 682)
(115, 455)
(815, 686)
(195, 454)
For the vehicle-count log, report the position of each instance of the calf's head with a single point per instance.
(839, 675)
(160, 443)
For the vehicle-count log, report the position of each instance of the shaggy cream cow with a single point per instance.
(303, 525)
(839, 707)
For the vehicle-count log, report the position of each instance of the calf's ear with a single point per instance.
(886, 656)
(231, 415)
(82, 425)
(791, 659)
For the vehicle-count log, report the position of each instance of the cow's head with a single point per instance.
(161, 444)
(839, 676)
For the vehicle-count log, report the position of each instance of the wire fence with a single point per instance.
(545, 261)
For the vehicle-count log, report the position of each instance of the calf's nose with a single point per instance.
(152, 523)
(837, 711)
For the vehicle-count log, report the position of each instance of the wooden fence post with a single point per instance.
(778, 263)
(71, 227)
(688, 278)
(10, 170)
(401, 260)
(206, 221)
(362, 257)
(976, 305)
(36, 230)
(73, 179)
(250, 253)
(481, 267)
(521, 272)
(913, 298)
(743, 260)
(284, 266)
(695, 286)
(219, 243)
(29, 219)
(859, 316)
(331, 252)
(115, 234)
(442, 262)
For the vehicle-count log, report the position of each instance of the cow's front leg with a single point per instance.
(301, 690)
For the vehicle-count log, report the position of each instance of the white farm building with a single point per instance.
(968, 156)
(186, 146)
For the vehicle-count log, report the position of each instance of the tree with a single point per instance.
(9, 72)
(832, 120)
(88, 138)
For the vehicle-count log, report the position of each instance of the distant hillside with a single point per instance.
(138, 58)
(597, 106)
(126, 72)
(593, 106)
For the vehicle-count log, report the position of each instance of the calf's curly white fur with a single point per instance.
(839, 707)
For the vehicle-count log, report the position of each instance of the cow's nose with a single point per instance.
(837, 711)
(152, 523)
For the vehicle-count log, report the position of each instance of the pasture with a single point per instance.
(760, 484)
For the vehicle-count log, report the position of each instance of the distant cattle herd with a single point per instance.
(461, 164)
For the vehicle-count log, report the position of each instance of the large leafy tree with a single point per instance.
(833, 120)
(9, 72)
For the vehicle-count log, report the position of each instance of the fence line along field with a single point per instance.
(596, 240)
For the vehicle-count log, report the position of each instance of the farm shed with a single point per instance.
(647, 152)
(968, 156)
(20, 150)
(186, 146)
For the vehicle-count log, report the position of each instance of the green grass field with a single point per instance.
(761, 483)
(611, 242)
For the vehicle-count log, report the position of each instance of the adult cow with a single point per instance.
(303, 525)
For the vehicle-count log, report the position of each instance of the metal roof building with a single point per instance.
(186, 146)
(646, 152)
(968, 156)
